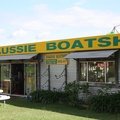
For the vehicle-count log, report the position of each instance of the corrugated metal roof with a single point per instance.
(91, 54)
(17, 57)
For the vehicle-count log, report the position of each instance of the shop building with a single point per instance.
(51, 65)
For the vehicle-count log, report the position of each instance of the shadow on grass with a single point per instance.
(60, 108)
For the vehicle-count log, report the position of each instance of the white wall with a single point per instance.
(44, 75)
(57, 75)
(72, 70)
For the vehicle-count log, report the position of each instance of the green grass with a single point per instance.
(22, 109)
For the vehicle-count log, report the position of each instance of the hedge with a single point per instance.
(46, 96)
(105, 103)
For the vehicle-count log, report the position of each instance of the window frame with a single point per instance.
(105, 76)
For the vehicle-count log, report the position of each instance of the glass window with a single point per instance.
(110, 72)
(5, 78)
(30, 77)
(96, 71)
(83, 71)
(5, 72)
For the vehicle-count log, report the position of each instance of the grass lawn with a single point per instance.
(22, 109)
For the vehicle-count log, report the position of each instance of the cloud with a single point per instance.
(2, 34)
(2, 31)
(41, 8)
(44, 24)
(19, 33)
(80, 3)
(76, 17)
(74, 21)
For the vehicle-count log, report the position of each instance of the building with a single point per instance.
(51, 65)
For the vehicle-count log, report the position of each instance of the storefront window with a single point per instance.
(30, 77)
(5, 78)
(110, 75)
(83, 71)
(97, 71)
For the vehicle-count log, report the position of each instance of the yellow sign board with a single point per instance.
(56, 58)
(111, 41)
(88, 43)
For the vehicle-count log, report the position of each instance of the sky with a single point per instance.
(26, 21)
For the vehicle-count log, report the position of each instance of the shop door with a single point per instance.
(30, 77)
(5, 78)
(17, 79)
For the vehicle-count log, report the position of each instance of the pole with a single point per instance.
(49, 86)
(66, 75)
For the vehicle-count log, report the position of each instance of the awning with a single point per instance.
(17, 57)
(91, 54)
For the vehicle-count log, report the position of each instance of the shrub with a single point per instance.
(72, 89)
(69, 96)
(106, 103)
(46, 96)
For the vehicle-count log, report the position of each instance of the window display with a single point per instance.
(97, 71)
(30, 77)
(5, 78)
(83, 71)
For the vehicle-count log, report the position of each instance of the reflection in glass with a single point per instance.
(5, 77)
(83, 71)
(110, 72)
(30, 77)
(96, 71)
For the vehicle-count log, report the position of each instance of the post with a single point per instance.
(66, 75)
(117, 67)
(49, 86)
(39, 75)
(78, 70)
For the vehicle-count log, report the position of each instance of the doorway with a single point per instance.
(30, 77)
(17, 79)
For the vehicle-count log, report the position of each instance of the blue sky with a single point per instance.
(25, 21)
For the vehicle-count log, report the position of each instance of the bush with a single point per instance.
(46, 97)
(73, 90)
(106, 103)
(69, 96)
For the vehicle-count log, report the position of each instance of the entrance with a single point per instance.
(17, 79)
(30, 77)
